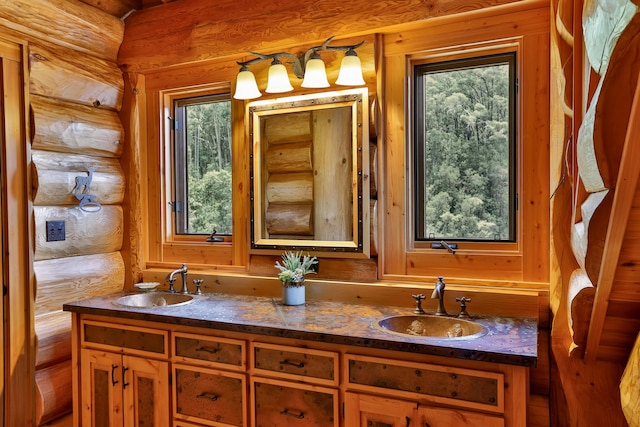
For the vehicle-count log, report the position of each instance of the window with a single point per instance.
(202, 165)
(465, 143)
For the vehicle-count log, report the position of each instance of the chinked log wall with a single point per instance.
(76, 91)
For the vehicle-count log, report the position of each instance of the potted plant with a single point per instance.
(293, 268)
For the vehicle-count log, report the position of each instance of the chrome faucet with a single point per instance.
(438, 293)
(183, 273)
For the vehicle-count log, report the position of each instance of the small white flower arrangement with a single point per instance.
(294, 267)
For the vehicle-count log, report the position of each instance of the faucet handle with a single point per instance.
(463, 306)
(418, 298)
(198, 283)
(171, 288)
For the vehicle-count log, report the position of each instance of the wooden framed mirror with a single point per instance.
(310, 173)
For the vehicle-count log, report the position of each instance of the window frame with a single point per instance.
(468, 248)
(421, 68)
(165, 246)
(179, 157)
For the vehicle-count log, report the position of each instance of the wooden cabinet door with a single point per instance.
(443, 417)
(145, 390)
(123, 391)
(362, 410)
(101, 389)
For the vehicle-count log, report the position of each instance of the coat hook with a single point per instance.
(88, 202)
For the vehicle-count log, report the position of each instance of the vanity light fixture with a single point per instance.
(308, 67)
(315, 74)
(278, 78)
(350, 70)
(246, 85)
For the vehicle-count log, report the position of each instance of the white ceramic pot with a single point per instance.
(293, 295)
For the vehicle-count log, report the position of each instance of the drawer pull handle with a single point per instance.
(207, 349)
(113, 374)
(206, 395)
(292, 414)
(289, 362)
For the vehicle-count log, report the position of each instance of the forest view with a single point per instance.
(464, 153)
(208, 133)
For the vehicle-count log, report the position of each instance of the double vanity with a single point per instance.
(171, 359)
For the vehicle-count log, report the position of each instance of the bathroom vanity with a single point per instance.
(232, 360)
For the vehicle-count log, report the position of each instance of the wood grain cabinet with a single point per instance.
(136, 375)
(366, 410)
(228, 354)
(289, 386)
(122, 383)
(291, 404)
(208, 396)
(468, 394)
(444, 417)
(209, 380)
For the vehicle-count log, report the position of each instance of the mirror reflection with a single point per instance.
(308, 172)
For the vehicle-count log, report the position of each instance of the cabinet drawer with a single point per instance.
(133, 340)
(445, 417)
(209, 397)
(227, 353)
(444, 384)
(282, 404)
(296, 363)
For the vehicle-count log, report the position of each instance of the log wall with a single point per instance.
(75, 92)
(595, 243)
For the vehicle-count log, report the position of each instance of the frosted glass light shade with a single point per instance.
(246, 86)
(315, 75)
(278, 79)
(350, 71)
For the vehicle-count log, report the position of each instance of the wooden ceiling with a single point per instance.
(121, 8)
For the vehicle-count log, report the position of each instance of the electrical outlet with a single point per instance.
(55, 231)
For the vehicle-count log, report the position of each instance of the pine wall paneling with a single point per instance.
(17, 311)
(210, 59)
(134, 246)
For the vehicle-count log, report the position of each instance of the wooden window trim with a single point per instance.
(166, 246)
(526, 260)
(489, 248)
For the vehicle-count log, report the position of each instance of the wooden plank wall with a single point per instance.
(15, 209)
(190, 56)
(76, 90)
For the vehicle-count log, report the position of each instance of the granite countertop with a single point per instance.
(507, 340)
